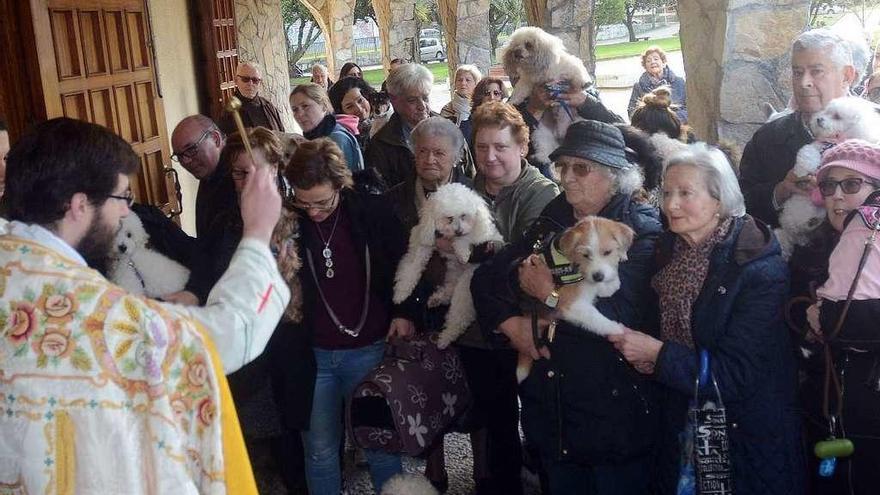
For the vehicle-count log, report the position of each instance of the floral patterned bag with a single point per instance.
(410, 399)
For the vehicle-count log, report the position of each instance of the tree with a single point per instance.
(363, 10)
(860, 8)
(633, 6)
(609, 12)
(504, 16)
(297, 20)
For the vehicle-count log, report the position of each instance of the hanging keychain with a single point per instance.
(832, 448)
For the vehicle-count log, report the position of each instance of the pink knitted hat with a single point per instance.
(854, 154)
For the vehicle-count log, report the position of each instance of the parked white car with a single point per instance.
(431, 49)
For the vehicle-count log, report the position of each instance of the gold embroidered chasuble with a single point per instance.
(106, 392)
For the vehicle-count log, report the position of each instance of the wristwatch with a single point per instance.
(553, 299)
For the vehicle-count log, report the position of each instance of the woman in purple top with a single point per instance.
(350, 246)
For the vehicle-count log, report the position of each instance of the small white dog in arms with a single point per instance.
(533, 56)
(595, 246)
(456, 213)
(408, 484)
(844, 118)
(139, 269)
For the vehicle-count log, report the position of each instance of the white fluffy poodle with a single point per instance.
(408, 484)
(139, 269)
(532, 56)
(460, 215)
(844, 118)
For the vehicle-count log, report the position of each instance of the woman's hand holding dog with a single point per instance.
(641, 350)
(535, 278)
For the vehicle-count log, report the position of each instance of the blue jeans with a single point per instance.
(339, 372)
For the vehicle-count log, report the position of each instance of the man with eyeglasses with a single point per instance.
(821, 70)
(138, 384)
(197, 144)
(255, 111)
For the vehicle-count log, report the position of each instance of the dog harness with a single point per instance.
(564, 272)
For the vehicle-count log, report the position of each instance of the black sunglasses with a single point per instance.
(849, 186)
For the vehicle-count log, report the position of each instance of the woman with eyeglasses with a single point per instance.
(350, 245)
(313, 112)
(607, 410)
(848, 181)
(487, 89)
(269, 392)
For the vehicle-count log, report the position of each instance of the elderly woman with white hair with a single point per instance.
(592, 419)
(722, 284)
(458, 109)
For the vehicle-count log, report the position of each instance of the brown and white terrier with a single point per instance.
(594, 246)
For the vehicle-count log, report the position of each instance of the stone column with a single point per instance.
(401, 30)
(340, 39)
(570, 20)
(261, 40)
(737, 55)
(466, 23)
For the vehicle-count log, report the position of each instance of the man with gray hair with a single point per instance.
(821, 70)
(256, 111)
(390, 152)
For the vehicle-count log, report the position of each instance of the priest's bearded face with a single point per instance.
(105, 223)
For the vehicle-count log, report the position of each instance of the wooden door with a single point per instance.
(96, 64)
(217, 52)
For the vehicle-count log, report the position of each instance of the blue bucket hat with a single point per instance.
(595, 141)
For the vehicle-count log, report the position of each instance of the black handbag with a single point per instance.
(711, 454)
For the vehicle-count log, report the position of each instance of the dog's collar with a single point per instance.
(562, 269)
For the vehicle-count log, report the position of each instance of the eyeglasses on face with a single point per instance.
(248, 79)
(323, 205)
(493, 92)
(192, 150)
(128, 197)
(579, 169)
(849, 186)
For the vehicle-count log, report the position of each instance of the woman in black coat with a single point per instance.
(590, 415)
(722, 284)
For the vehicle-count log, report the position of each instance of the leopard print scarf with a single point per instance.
(679, 283)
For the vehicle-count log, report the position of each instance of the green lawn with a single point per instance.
(603, 52)
(618, 50)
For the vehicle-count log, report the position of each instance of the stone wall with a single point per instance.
(570, 20)
(403, 30)
(472, 34)
(737, 56)
(261, 39)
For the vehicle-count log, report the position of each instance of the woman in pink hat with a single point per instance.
(845, 402)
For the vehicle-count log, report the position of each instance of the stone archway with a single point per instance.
(466, 23)
(335, 18)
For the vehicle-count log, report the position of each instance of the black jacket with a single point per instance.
(389, 154)
(766, 159)
(592, 109)
(255, 112)
(215, 197)
(738, 318)
(586, 404)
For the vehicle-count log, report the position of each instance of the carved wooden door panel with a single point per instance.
(217, 53)
(97, 65)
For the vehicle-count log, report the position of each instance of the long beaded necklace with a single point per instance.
(327, 253)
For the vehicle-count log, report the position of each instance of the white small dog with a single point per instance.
(459, 214)
(408, 484)
(595, 246)
(140, 270)
(533, 56)
(844, 118)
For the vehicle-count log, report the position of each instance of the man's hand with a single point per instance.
(535, 278)
(183, 297)
(519, 330)
(813, 320)
(400, 327)
(260, 203)
(791, 185)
